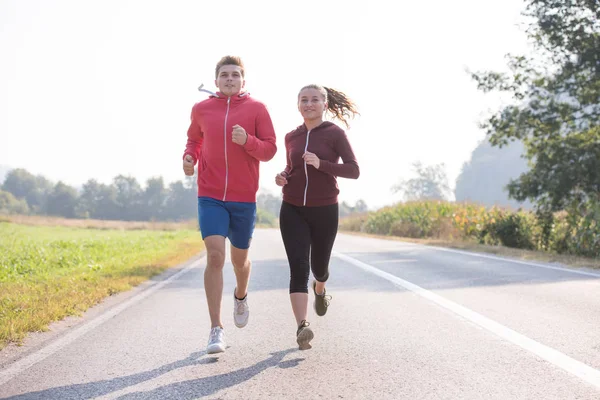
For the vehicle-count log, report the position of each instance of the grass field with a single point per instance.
(50, 269)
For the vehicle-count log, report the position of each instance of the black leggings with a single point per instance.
(308, 232)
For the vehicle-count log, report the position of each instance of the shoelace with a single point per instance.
(240, 307)
(215, 334)
(326, 298)
(303, 324)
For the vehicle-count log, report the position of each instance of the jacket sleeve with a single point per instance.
(262, 146)
(195, 136)
(349, 167)
(288, 166)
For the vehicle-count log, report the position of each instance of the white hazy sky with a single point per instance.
(93, 89)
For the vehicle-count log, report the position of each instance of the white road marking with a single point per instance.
(21, 365)
(577, 368)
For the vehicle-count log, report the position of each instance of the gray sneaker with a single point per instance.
(304, 335)
(216, 341)
(321, 300)
(241, 311)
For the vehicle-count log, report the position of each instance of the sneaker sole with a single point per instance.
(303, 339)
(240, 325)
(214, 349)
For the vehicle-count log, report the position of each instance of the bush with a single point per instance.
(265, 218)
(11, 205)
(513, 230)
(354, 223)
(575, 231)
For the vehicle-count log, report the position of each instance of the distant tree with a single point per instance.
(484, 178)
(9, 204)
(87, 204)
(129, 197)
(19, 183)
(346, 209)
(269, 203)
(430, 183)
(24, 185)
(264, 217)
(181, 202)
(360, 206)
(62, 201)
(154, 198)
(107, 206)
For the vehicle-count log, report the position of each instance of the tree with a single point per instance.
(87, 204)
(483, 179)
(269, 203)
(430, 183)
(106, 205)
(346, 209)
(556, 105)
(360, 206)
(154, 198)
(129, 196)
(62, 201)
(181, 203)
(24, 185)
(9, 204)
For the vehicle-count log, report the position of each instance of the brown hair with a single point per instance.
(338, 104)
(229, 60)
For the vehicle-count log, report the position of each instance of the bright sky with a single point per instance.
(93, 89)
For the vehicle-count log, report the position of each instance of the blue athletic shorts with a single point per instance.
(230, 219)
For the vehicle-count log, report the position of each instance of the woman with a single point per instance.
(308, 218)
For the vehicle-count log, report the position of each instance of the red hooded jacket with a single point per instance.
(228, 171)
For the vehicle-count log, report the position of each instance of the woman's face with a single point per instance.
(311, 104)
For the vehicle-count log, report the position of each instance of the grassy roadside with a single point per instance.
(526, 255)
(50, 272)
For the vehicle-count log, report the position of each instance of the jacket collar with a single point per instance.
(324, 124)
(235, 98)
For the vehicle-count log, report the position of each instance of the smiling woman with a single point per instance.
(309, 211)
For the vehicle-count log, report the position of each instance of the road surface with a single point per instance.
(405, 322)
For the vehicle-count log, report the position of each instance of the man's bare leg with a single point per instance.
(213, 277)
(242, 266)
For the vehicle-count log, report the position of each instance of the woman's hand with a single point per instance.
(281, 179)
(311, 159)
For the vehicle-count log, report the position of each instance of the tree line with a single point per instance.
(123, 199)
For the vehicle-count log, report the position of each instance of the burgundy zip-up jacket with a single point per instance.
(308, 186)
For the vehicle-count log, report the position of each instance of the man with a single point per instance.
(230, 133)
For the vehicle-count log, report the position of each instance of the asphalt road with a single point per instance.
(405, 322)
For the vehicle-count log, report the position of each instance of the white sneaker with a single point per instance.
(241, 311)
(216, 341)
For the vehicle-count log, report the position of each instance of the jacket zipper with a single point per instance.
(305, 167)
(225, 139)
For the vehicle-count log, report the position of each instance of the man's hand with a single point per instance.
(312, 159)
(239, 135)
(188, 165)
(281, 179)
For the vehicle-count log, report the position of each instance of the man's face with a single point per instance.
(230, 81)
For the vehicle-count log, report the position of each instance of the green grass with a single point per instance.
(48, 273)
